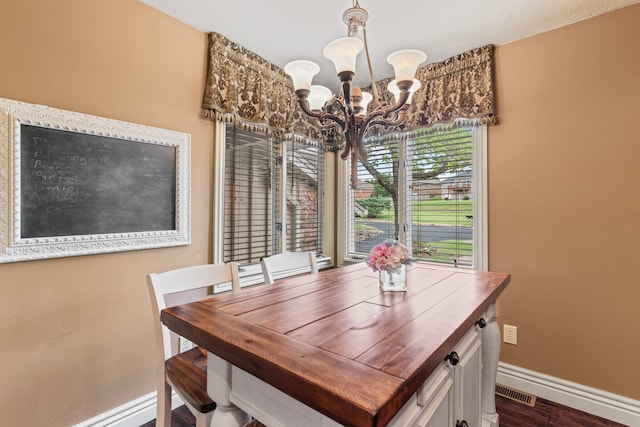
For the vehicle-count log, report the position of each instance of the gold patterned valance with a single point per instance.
(460, 87)
(244, 89)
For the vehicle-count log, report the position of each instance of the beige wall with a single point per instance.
(564, 205)
(76, 332)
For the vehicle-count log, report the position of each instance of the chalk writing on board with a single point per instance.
(75, 183)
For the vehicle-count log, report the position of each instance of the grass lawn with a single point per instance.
(443, 251)
(439, 212)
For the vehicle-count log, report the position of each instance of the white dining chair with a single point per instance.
(288, 264)
(185, 372)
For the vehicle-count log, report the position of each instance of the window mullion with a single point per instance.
(281, 231)
(404, 201)
(218, 199)
(480, 205)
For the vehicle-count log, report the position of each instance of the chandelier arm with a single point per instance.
(373, 117)
(347, 150)
(402, 114)
(322, 115)
(402, 101)
(327, 116)
(378, 113)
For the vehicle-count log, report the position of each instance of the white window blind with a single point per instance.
(248, 214)
(271, 187)
(374, 213)
(305, 195)
(434, 198)
(442, 196)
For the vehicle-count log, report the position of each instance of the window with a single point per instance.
(273, 193)
(248, 200)
(426, 190)
(304, 171)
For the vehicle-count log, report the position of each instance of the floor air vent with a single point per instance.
(516, 395)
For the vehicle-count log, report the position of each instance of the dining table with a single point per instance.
(332, 349)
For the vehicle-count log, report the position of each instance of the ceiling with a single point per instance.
(284, 30)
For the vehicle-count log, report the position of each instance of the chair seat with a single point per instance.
(188, 374)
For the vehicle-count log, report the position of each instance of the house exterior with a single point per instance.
(459, 187)
(427, 189)
(364, 190)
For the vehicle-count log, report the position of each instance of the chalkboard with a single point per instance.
(74, 183)
(81, 184)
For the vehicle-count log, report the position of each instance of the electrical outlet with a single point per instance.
(510, 335)
(185, 344)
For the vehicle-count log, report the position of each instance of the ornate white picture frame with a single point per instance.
(52, 204)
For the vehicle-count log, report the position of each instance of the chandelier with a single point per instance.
(347, 113)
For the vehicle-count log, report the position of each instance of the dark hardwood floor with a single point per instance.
(180, 417)
(512, 414)
(545, 414)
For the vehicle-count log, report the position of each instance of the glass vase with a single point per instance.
(396, 281)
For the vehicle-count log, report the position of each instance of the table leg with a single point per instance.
(490, 357)
(226, 413)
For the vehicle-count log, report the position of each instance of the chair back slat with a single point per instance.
(288, 262)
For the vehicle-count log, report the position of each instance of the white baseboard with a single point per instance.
(597, 402)
(131, 414)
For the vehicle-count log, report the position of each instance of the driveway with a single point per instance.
(423, 233)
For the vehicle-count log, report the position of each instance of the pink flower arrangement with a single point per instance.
(389, 256)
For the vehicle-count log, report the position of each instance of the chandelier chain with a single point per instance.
(374, 88)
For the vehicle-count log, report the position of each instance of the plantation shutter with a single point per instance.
(441, 194)
(248, 201)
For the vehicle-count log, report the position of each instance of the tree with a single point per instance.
(375, 205)
(378, 189)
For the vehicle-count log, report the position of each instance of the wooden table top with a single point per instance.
(335, 342)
